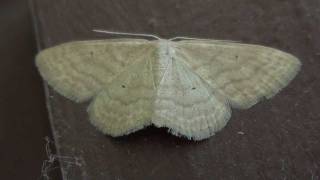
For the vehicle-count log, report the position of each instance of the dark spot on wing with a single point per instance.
(123, 86)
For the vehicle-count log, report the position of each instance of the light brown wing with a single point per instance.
(242, 73)
(79, 70)
(126, 105)
(187, 106)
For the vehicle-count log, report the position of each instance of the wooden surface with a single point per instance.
(23, 117)
(281, 135)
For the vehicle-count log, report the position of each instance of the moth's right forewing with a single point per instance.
(242, 73)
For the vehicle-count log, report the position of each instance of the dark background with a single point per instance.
(23, 117)
(281, 139)
(281, 135)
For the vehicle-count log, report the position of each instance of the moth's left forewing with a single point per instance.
(80, 69)
(116, 74)
(242, 73)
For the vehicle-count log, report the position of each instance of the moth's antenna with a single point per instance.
(202, 39)
(185, 38)
(123, 33)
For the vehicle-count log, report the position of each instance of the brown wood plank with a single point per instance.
(23, 116)
(281, 135)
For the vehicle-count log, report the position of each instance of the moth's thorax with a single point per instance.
(166, 52)
(166, 49)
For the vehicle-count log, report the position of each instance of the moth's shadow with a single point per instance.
(152, 134)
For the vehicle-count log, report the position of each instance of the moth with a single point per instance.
(186, 85)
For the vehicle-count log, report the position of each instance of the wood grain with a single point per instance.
(278, 139)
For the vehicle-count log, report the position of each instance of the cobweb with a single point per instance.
(53, 162)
